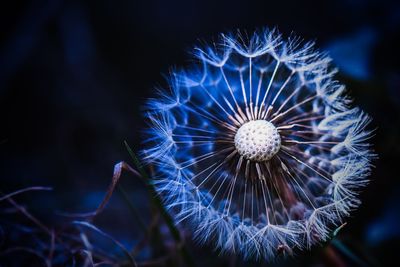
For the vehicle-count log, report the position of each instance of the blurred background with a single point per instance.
(74, 76)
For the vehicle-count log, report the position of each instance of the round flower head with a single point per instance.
(256, 147)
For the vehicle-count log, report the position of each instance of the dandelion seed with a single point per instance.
(257, 147)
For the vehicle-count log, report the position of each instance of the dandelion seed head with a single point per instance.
(256, 147)
(257, 140)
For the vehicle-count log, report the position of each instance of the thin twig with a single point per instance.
(33, 188)
(51, 250)
(114, 181)
(91, 226)
(27, 214)
(116, 176)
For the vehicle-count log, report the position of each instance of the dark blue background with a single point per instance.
(74, 76)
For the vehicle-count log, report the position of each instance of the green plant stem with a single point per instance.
(156, 200)
(132, 207)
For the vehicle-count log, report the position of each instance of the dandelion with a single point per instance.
(256, 147)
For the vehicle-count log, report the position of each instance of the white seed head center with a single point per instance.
(257, 140)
